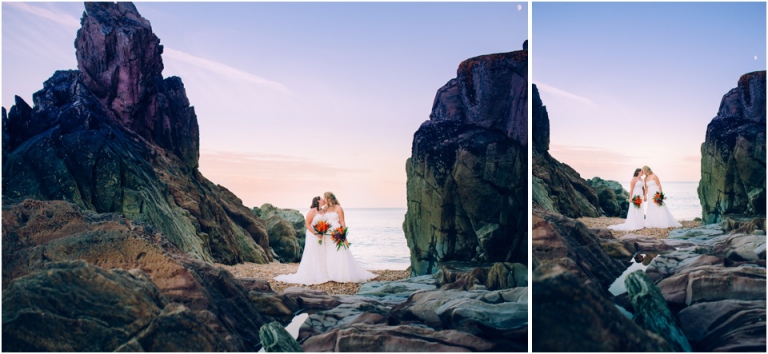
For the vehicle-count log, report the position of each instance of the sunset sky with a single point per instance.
(293, 99)
(636, 84)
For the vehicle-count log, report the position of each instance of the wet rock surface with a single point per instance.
(467, 193)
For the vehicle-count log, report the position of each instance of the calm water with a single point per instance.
(682, 199)
(377, 237)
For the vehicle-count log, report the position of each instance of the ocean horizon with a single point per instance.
(682, 199)
(377, 237)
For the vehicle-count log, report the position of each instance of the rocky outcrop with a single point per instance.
(614, 199)
(556, 186)
(568, 243)
(286, 231)
(75, 306)
(733, 153)
(37, 233)
(569, 316)
(117, 137)
(651, 311)
(275, 338)
(467, 180)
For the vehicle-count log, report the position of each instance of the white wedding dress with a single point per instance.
(340, 264)
(312, 267)
(658, 216)
(634, 215)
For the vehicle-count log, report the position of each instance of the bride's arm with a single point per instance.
(659, 184)
(632, 188)
(340, 211)
(308, 221)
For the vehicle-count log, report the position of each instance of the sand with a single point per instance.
(657, 233)
(271, 270)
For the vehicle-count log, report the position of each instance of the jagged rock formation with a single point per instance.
(75, 306)
(286, 231)
(38, 233)
(556, 186)
(733, 153)
(613, 198)
(467, 179)
(569, 316)
(117, 137)
(568, 243)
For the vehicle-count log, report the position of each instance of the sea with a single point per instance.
(377, 237)
(682, 199)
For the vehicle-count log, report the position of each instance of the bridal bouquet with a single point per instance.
(339, 236)
(637, 201)
(658, 198)
(321, 227)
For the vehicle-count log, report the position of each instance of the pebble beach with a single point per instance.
(603, 222)
(271, 270)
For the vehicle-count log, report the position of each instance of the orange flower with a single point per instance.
(321, 227)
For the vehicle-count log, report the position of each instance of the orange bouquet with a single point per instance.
(637, 201)
(339, 236)
(321, 227)
(658, 198)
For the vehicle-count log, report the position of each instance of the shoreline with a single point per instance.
(270, 270)
(604, 222)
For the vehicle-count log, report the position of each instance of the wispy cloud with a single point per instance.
(58, 17)
(219, 68)
(268, 166)
(224, 70)
(565, 94)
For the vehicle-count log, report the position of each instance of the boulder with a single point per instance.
(116, 137)
(377, 338)
(283, 240)
(357, 311)
(394, 292)
(466, 188)
(733, 153)
(506, 276)
(75, 306)
(557, 187)
(651, 311)
(614, 199)
(726, 325)
(558, 240)
(275, 338)
(38, 233)
(570, 316)
(309, 299)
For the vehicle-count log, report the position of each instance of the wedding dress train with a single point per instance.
(312, 267)
(658, 216)
(340, 264)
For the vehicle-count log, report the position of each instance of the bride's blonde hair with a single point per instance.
(330, 198)
(647, 170)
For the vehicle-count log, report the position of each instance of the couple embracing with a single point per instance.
(322, 260)
(657, 214)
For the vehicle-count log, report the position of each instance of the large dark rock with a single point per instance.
(37, 233)
(726, 325)
(614, 199)
(556, 186)
(117, 137)
(285, 228)
(75, 306)
(568, 243)
(733, 153)
(467, 180)
(651, 311)
(276, 339)
(569, 316)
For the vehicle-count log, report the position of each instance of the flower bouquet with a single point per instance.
(321, 227)
(339, 236)
(637, 201)
(658, 198)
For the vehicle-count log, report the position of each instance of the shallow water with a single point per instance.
(618, 286)
(682, 199)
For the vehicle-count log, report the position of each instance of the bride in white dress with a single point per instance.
(312, 267)
(634, 214)
(656, 216)
(340, 264)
